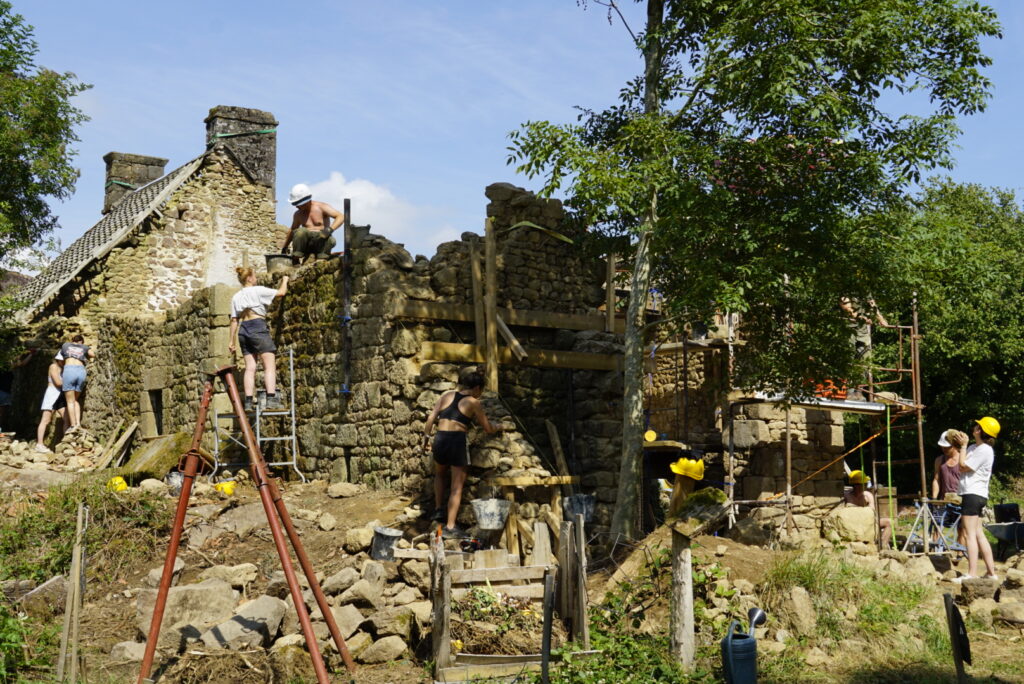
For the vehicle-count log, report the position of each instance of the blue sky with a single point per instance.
(404, 105)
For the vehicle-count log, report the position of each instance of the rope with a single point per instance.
(235, 135)
(121, 183)
(839, 458)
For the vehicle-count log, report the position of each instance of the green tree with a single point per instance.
(963, 252)
(37, 122)
(755, 169)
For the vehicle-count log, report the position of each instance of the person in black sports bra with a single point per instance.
(453, 414)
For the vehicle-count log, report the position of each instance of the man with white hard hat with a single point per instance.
(312, 225)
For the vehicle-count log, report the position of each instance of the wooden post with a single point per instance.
(545, 642)
(556, 447)
(491, 306)
(510, 339)
(441, 633)
(790, 524)
(566, 576)
(609, 295)
(70, 596)
(512, 523)
(583, 625)
(479, 319)
(681, 626)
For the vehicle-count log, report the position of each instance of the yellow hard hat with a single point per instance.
(117, 484)
(689, 467)
(859, 477)
(989, 425)
(650, 436)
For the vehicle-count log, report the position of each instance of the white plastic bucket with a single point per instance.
(490, 513)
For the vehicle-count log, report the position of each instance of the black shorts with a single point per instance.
(971, 504)
(254, 337)
(450, 448)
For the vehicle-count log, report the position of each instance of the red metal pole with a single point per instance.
(191, 467)
(262, 482)
(314, 584)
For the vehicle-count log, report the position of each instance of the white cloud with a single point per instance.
(420, 228)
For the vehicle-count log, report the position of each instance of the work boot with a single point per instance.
(247, 404)
(274, 403)
(453, 533)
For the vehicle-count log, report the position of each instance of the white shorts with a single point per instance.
(53, 400)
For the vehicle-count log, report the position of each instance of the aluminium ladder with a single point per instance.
(288, 438)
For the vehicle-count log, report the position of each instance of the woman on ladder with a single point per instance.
(249, 305)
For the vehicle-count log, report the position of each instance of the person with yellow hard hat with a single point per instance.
(975, 463)
(860, 496)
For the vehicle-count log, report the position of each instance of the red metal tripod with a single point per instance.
(274, 507)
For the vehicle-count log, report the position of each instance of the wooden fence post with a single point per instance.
(681, 629)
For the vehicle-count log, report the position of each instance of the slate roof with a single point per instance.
(104, 236)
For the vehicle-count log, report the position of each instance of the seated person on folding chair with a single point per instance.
(946, 481)
(860, 496)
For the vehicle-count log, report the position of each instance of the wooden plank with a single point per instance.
(507, 574)
(118, 446)
(479, 320)
(490, 558)
(111, 437)
(487, 658)
(540, 358)
(609, 294)
(556, 446)
(510, 339)
(531, 481)
(530, 591)
(541, 545)
(527, 318)
(554, 523)
(491, 304)
(441, 630)
(425, 554)
(471, 673)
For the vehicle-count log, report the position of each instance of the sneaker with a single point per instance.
(991, 577)
(962, 579)
(274, 403)
(453, 533)
(43, 449)
(438, 515)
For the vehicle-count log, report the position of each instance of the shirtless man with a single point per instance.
(860, 496)
(312, 225)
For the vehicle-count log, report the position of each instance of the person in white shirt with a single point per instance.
(975, 462)
(249, 323)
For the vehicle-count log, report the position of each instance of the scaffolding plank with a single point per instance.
(532, 480)
(524, 572)
(529, 318)
(542, 358)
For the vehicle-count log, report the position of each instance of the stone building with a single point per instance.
(165, 236)
(151, 283)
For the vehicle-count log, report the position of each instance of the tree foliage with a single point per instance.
(772, 160)
(963, 252)
(37, 122)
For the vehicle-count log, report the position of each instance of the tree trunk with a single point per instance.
(627, 508)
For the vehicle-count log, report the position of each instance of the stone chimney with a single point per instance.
(252, 136)
(126, 172)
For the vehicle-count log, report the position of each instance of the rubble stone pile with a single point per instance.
(76, 452)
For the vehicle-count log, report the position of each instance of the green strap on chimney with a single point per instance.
(235, 135)
(121, 183)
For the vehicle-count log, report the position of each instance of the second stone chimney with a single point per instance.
(127, 172)
(252, 136)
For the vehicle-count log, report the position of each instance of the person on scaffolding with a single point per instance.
(975, 462)
(312, 225)
(453, 414)
(860, 335)
(860, 496)
(249, 323)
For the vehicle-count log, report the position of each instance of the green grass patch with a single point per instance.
(36, 543)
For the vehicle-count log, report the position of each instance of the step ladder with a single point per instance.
(257, 416)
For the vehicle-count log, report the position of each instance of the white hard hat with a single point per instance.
(943, 440)
(300, 194)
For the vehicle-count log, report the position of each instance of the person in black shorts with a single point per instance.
(249, 324)
(453, 414)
